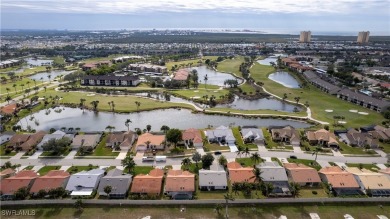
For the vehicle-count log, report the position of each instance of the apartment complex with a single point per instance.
(305, 37)
(363, 37)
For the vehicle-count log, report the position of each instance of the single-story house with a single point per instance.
(341, 182)
(385, 171)
(361, 139)
(6, 136)
(84, 182)
(222, 134)
(239, 174)
(213, 179)
(302, 174)
(7, 173)
(286, 134)
(9, 186)
(179, 184)
(32, 141)
(276, 175)
(52, 180)
(122, 139)
(150, 184)
(373, 184)
(17, 140)
(254, 135)
(181, 75)
(86, 141)
(55, 135)
(192, 137)
(148, 141)
(119, 182)
(322, 137)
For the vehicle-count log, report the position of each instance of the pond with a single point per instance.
(174, 118)
(38, 62)
(284, 79)
(44, 75)
(274, 59)
(214, 77)
(263, 103)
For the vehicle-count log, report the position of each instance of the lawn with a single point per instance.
(318, 101)
(275, 159)
(308, 193)
(231, 65)
(141, 170)
(247, 161)
(191, 212)
(192, 168)
(28, 168)
(76, 169)
(102, 150)
(346, 149)
(44, 170)
(371, 167)
(213, 146)
(211, 194)
(309, 163)
(3, 151)
(268, 139)
(239, 140)
(200, 92)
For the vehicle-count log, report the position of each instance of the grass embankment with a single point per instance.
(318, 101)
(44, 170)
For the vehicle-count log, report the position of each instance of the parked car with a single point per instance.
(293, 157)
(217, 153)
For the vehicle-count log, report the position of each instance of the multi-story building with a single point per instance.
(363, 37)
(305, 37)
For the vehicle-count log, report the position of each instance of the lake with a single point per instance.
(174, 118)
(284, 79)
(44, 75)
(38, 62)
(214, 77)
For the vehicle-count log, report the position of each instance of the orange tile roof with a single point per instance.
(180, 181)
(301, 173)
(150, 184)
(193, 134)
(181, 75)
(385, 171)
(33, 140)
(22, 179)
(7, 171)
(18, 139)
(52, 180)
(154, 139)
(8, 109)
(237, 173)
(339, 178)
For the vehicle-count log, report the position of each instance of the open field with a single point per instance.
(185, 63)
(318, 101)
(231, 65)
(248, 212)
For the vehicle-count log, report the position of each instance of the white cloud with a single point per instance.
(230, 6)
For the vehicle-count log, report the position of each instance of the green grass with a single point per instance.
(247, 161)
(192, 168)
(44, 170)
(309, 163)
(76, 169)
(28, 168)
(268, 139)
(3, 153)
(185, 63)
(308, 193)
(318, 100)
(239, 140)
(200, 92)
(346, 149)
(141, 170)
(275, 159)
(231, 65)
(213, 147)
(102, 150)
(371, 167)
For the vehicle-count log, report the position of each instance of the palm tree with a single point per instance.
(228, 197)
(205, 81)
(186, 162)
(295, 189)
(222, 160)
(7, 89)
(28, 84)
(240, 150)
(164, 128)
(22, 85)
(196, 157)
(138, 104)
(267, 188)
(8, 98)
(236, 188)
(297, 99)
(35, 82)
(82, 100)
(95, 104)
(128, 163)
(110, 128)
(109, 104)
(284, 96)
(218, 208)
(246, 151)
(44, 87)
(49, 76)
(14, 86)
(257, 175)
(41, 79)
(113, 106)
(107, 189)
(255, 158)
(127, 124)
(318, 149)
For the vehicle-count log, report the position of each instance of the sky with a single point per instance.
(338, 17)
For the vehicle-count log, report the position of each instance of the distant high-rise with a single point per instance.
(363, 37)
(305, 37)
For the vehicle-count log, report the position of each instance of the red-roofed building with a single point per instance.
(239, 174)
(9, 109)
(150, 184)
(192, 137)
(7, 173)
(181, 75)
(52, 180)
(9, 186)
(180, 184)
(341, 182)
(302, 174)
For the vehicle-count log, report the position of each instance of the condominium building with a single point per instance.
(305, 37)
(363, 37)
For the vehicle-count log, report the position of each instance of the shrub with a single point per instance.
(314, 192)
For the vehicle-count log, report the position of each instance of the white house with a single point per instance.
(213, 179)
(222, 134)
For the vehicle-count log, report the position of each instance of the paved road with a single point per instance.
(177, 161)
(113, 202)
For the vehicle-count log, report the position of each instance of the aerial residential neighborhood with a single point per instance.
(195, 109)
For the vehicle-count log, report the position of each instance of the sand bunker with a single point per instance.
(353, 111)
(342, 122)
(328, 110)
(363, 113)
(90, 95)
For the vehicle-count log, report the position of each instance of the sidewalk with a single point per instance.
(337, 153)
(262, 148)
(17, 156)
(36, 155)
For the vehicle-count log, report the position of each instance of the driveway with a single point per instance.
(380, 152)
(262, 148)
(17, 156)
(323, 163)
(36, 155)
(200, 151)
(233, 148)
(36, 168)
(337, 153)
(121, 155)
(297, 150)
(341, 165)
(71, 154)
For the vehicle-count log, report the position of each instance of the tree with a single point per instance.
(236, 187)
(196, 157)
(295, 189)
(255, 158)
(138, 104)
(228, 197)
(56, 146)
(186, 162)
(174, 136)
(110, 128)
(107, 189)
(297, 99)
(222, 160)
(8, 98)
(28, 84)
(267, 188)
(206, 78)
(284, 96)
(207, 160)
(49, 76)
(14, 86)
(82, 101)
(240, 150)
(128, 163)
(148, 127)
(164, 128)
(127, 124)
(218, 208)
(22, 85)
(44, 87)
(78, 204)
(113, 106)
(7, 89)
(95, 104)
(41, 193)
(246, 151)
(257, 175)
(318, 149)
(21, 193)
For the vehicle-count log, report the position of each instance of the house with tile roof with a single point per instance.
(52, 180)
(252, 135)
(123, 140)
(181, 75)
(385, 171)
(32, 141)
(239, 174)
(221, 134)
(9, 186)
(341, 182)
(149, 141)
(17, 140)
(119, 182)
(361, 139)
(192, 137)
(302, 174)
(213, 179)
(322, 137)
(276, 175)
(150, 184)
(55, 135)
(84, 182)
(87, 141)
(7, 173)
(372, 183)
(287, 134)
(179, 184)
